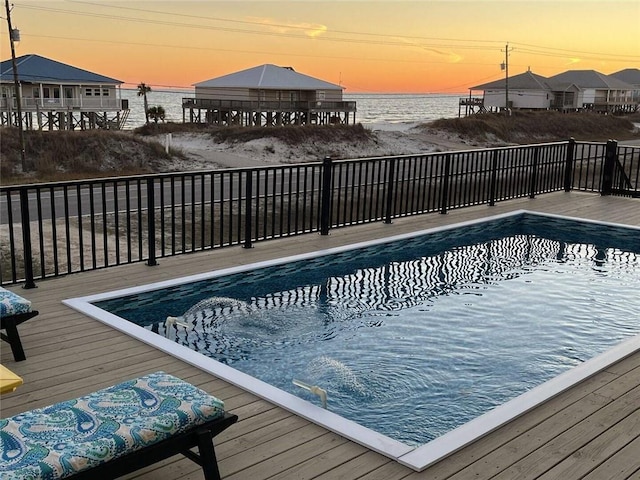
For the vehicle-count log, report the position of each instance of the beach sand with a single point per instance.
(203, 152)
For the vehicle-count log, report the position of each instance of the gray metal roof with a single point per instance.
(524, 81)
(37, 69)
(587, 79)
(629, 75)
(269, 77)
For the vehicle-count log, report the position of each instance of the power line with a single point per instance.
(617, 57)
(541, 50)
(381, 39)
(280, 25)
(572, 52)
(396, 43)
(264, 52)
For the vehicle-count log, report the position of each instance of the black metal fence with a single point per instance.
(86, 225)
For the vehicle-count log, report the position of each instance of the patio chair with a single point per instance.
(115, 431)
(14, 310)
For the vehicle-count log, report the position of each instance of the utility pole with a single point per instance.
(14, 33)
(505, 67)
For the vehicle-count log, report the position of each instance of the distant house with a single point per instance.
(57, 96)
(268, 95)
(591, 90)
(632, 77)
(526, 91)
(571, 90)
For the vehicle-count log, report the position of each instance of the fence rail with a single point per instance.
(257, 105)
(86, 225)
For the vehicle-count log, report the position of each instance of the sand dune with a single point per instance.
(203, 152)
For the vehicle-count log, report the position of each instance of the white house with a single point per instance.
(632, 77)
(525, 91)
(268, 95)
(592, 91)
(571, 90)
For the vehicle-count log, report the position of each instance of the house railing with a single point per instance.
(50, 104)
(265, 105)
(91, 224)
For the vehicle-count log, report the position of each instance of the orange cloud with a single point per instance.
(309, 29)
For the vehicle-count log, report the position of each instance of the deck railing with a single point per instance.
(267, 105)
(91, 224)
(63, 104)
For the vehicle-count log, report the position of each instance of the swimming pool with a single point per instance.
(455, 277)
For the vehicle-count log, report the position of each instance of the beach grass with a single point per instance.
(529, 126)
(70, 155)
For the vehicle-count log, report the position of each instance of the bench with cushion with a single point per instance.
(114, 431)
(13, 311)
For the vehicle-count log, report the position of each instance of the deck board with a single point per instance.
(605, 445)
(590, 431)
(620, 466)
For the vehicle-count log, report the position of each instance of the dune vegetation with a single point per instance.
(68, 155)
(524, 127)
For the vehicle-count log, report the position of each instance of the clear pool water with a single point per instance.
(419, 336)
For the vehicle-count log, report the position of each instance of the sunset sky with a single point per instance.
(421, 46)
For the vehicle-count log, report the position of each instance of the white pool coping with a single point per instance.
(417, 458)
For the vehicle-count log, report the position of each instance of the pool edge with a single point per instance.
(416, 458)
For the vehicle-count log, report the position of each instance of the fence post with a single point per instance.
(391, 190)
(568, 166)
(493, 182)
(444, 197)
(248, 213)
(534, 173)
(151, 222)
(609, 166)
(26, 238)
(325, 207)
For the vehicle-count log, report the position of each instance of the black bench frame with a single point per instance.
(10, 324)
(200, 436)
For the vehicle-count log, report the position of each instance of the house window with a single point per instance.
(68, 92)
(88, 92)
(96, 92)
(105, 92)
(320, 95)
(56, 92)
(36, 92)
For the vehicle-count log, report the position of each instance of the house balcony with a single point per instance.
(273, 106)
(472, 101)
(30, 104)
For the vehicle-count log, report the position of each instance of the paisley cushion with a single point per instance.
(12, 303)
(59, 440)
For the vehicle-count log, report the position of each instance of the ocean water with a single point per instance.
(375, 111)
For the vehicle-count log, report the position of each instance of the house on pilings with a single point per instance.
(593, 91)
(525, 91)
(573, 90)
(57, 96)
(268, 95)
(632, 77)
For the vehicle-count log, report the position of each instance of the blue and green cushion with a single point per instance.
(76, 435)
(12, 303)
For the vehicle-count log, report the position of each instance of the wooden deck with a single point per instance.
(592, 431)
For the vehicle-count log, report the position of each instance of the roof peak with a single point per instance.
(38, 69)
(269, 77)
